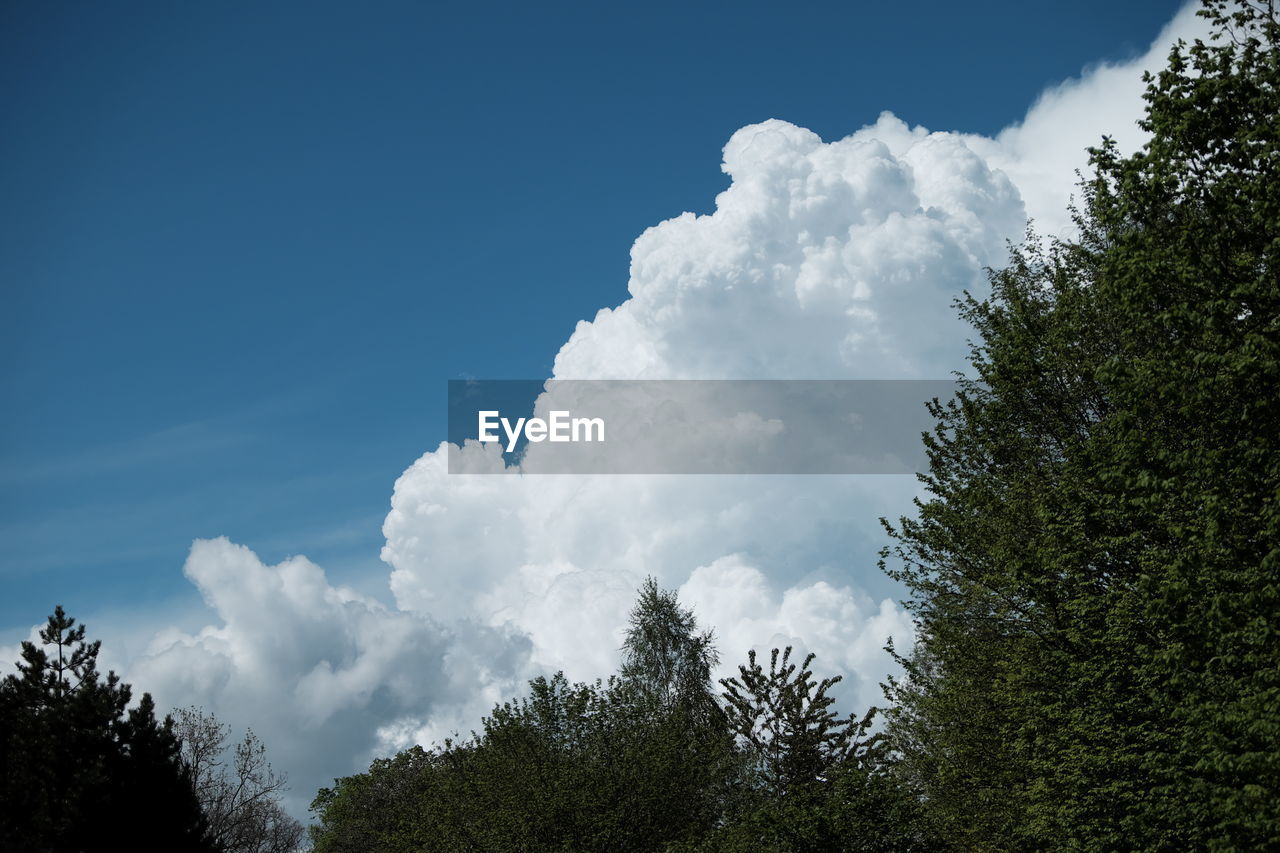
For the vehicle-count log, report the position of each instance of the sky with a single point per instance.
(245, 246)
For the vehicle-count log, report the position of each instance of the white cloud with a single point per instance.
(318, 670)
(821, 260)
(1042, 152)
(560, 557)
(842, 626)
(836, 259)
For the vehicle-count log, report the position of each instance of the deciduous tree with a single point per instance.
(238, 789)
(1094, 574)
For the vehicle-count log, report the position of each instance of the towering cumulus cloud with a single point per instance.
(821, 260)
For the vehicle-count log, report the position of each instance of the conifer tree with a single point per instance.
(79, 768)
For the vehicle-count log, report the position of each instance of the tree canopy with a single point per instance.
(647, 760)
(78, 765)
(1094, 574)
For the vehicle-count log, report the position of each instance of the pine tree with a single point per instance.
(784, 718)
(78, 767)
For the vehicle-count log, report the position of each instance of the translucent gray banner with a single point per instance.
(690, 426)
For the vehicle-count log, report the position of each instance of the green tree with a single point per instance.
(78, 766)
(785, 720)
(665, 655)
(1094, 573)
(818, 782)
(632, 763)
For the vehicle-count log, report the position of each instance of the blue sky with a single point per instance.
(245, 245)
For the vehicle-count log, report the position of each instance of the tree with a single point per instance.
(631, 763)
(785, 720)
(819, 782)
(239, 794)
(77, 765)
(398, 804)
(569, 766)
(665, 655)
(640, 762)
(1094, 573)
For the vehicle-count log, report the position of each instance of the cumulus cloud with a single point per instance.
(320, 671)
(1042, 152)
(559, 557)
(821, 260)
(842, 626)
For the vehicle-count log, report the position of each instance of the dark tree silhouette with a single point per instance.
(78, 767)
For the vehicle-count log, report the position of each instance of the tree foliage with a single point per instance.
(784, 719)
(78, 765)
(1095, 573)
(626, 764)
(648, 760)
(817, 782)
(664, 654)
